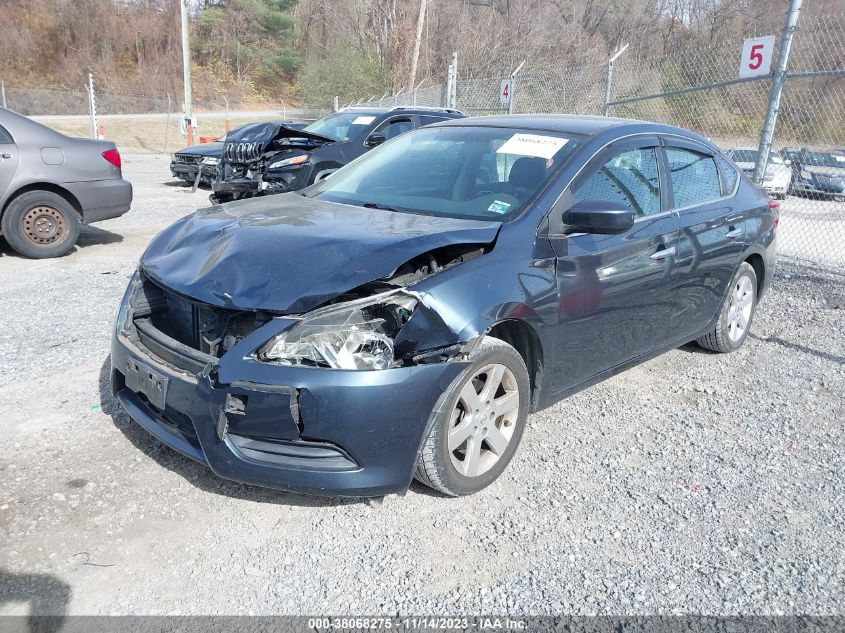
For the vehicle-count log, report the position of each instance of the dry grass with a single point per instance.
(147, 135)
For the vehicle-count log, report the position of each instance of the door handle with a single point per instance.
(4, 156)
(733, 233)
(666, 252)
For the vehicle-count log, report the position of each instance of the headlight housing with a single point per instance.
(357, 335)
(287, 162)
(210, 160)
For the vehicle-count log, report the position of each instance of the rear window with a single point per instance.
(695, 179)
(5, 137)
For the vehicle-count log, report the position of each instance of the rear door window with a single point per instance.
(427, 119)
(695, 179)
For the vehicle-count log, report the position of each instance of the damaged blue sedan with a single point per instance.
(401, 318)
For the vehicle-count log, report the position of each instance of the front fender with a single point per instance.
(474, 296)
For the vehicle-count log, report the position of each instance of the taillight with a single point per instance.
(113, 156)
(774, 207)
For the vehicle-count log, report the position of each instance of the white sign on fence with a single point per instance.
(757, 53)
(505, 91)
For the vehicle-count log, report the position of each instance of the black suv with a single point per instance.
(271, 157)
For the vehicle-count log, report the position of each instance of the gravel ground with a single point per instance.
(695, 483)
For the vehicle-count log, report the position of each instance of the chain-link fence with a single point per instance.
(695, 88)
(699, 89)
(147, 122)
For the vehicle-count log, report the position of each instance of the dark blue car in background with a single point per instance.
(403, 317)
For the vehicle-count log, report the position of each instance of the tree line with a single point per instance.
(311, 50)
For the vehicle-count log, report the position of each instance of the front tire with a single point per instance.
(41, 224)
(476, 433)
(737, 313)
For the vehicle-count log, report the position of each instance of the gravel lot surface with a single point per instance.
(696, 483)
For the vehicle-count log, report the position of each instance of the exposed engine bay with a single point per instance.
(397, 319)
(263, 159)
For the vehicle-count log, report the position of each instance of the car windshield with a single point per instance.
(342, 126)
(462, 172)
(823, 159)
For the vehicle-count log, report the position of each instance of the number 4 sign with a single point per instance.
(756, 56)
(505, 91)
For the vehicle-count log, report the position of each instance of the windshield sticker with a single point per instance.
(363, 120)
(840, 159)
(532, 145)
(499, 207)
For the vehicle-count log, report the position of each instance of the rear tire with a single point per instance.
(41, 224)
(477, 431)
(737, 313)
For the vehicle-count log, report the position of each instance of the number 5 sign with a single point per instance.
(756, 56)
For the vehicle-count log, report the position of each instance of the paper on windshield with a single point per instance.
(535, 145)
(840, 159)
(363, 120)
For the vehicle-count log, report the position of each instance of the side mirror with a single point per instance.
(376, 138)
(787, 162)
(599, 216)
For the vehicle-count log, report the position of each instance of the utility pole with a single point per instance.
(412, 80)
(768, 132)
(186, 71)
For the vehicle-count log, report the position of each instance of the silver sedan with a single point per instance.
(51, 184)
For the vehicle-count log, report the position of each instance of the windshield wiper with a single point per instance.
(377, 205)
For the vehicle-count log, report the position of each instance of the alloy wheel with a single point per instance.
(483, 420)
(739, 310)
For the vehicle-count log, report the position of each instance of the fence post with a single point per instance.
(450, 75)
(454, 80)
(92, 105)
(768, 131)
(609, 81)
(513, 87)
(3, 90)
(336, 104)
(167, 123)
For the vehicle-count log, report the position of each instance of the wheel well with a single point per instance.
(759, 267)
(46, 186)
(524, 339)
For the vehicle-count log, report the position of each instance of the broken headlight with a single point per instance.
(288, 162)
(354, 335)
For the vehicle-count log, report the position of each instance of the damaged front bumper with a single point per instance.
(303, 429)
(267, 183)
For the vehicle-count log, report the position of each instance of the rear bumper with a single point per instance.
(102, 199)
(338, 433)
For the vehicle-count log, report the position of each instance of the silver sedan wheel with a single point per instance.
(483, 421)
(739, 310)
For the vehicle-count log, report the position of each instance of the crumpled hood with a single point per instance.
(289, 254)
(248, 142)
(214, 148)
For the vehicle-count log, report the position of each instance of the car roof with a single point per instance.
(573, 124)
(401, 110)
